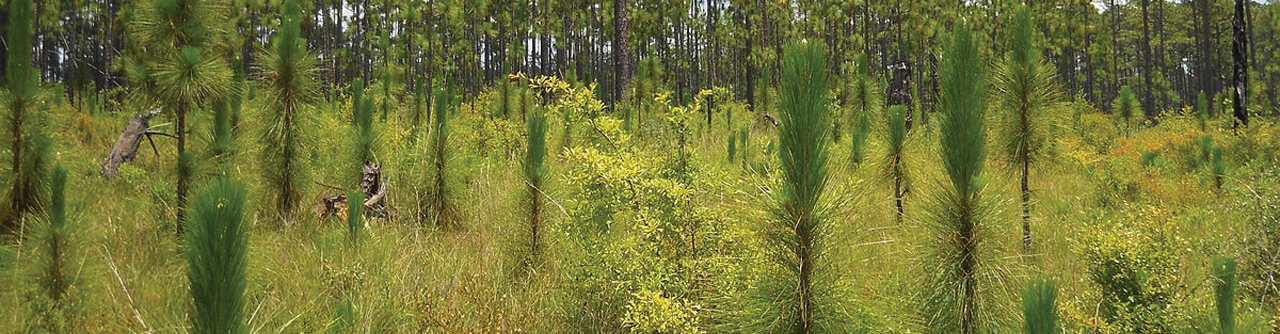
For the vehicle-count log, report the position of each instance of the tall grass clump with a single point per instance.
(289, 133)
(216, 257)
(1125, 107)
(1224, 291)
(798, 297)
(1039, 308)
(30, 147)
(1025, 92)
(866, 98)
(439, 206)
(962, 292)
(895, 170)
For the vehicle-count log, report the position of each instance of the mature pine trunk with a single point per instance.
(1240, 68)
(619, 48)
(1148, 98)
(1204, 45)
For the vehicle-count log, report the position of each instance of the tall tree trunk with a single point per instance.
(1148, 98)
(1240, 66)
(1205, 46)
(619, 48)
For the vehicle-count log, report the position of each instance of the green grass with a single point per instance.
(406, 277)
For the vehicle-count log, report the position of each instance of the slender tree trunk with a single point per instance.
(1148, 98)
(1026, 206)
(183, 177)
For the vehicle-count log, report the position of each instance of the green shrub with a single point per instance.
(1133, 260)
(733, 145)
(216, 255)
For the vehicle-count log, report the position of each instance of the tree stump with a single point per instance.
(126, 148)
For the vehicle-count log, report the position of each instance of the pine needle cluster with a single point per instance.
(1039, 308)
(866, 98)
(216, 256)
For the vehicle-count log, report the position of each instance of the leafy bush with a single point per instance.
(1260, 261)
(1134, 261)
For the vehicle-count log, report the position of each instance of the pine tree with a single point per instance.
(365, 136)
(184, 39)
(961, 293)
(866, 97)
(535, 171)
(1026, 90)
(59, 247)
(439, 206)
(895, 170)
(216, 256)
(1224, 270)
(1039, 308)
(290, 71)
(799, 298)
(30, 146)
(1125, 107)
(355, 214)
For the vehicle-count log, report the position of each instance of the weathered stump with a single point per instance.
(126, 148)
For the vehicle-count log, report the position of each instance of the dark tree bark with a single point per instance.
(1204, 43)
(1240, 66)
(619, 48)
(1147, 94)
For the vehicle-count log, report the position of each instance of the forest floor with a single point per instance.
(406, 276)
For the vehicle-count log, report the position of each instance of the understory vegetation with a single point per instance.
(539, 203)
